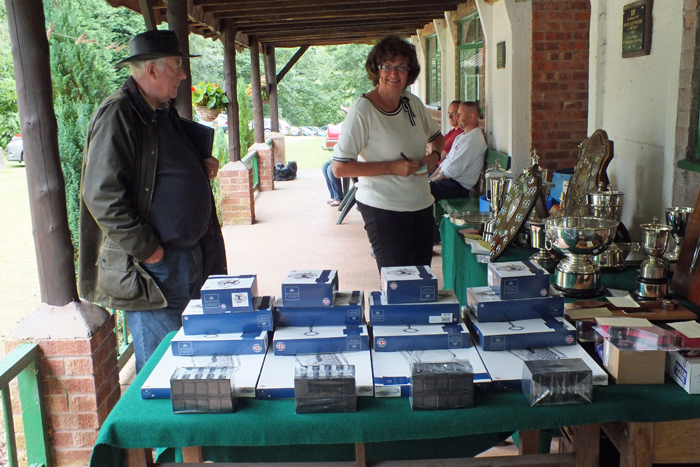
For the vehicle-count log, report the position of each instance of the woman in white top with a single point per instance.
(389, 129)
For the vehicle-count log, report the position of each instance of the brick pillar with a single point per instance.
(237, 195)
(560, 41)
(79, 373)
(278, 148)
(266, 172)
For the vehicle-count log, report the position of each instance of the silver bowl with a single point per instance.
(578, 235)
(579, 238)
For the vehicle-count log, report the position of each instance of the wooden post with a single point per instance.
(258, 117)
(177, 22)
(231, 89)
(271, 75)
(47, 196)
(148, 15)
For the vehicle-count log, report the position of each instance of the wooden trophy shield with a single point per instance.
(595, 153)
(685, 281)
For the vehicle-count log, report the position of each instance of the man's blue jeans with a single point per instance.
(179, 276)
(335, 185)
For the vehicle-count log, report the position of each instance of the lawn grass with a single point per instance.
(306, 151)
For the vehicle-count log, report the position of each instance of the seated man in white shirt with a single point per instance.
(460, 170)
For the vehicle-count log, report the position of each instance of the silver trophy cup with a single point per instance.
(677, 219)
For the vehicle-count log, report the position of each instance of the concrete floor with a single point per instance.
(296, 229)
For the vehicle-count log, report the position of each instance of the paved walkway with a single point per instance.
(296, 229)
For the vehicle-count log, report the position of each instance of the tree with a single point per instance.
(9, 118)
(83, 54)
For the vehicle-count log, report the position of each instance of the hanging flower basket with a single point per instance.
(266, 101)
(206, 114)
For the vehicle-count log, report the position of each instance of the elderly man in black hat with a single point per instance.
(149, 235)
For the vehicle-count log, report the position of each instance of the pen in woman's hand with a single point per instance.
(405, 157)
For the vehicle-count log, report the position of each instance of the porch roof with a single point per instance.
(295, 23)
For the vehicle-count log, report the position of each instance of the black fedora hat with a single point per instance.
(151, 45)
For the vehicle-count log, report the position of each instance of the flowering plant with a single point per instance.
(263, 89)
(209, 95)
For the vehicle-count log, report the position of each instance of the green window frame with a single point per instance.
(433, 74)
(470, 60)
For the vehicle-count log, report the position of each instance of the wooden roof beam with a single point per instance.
(246, 4)
(331, 12)
(254, 28)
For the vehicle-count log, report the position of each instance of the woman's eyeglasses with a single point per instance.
(390, 68)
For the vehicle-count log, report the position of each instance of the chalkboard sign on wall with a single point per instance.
(636, 29)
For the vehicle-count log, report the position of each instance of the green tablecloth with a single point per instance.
(270, 430)
(385, 424)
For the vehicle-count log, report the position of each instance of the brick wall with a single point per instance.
(80, 388)
(560, 41)
(237, 195)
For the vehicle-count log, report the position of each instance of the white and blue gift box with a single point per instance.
(242, 343)
(445, 310)
(246, 367)
(487, 306)
(506, 368)
(221, 294)
(420, 337)
(392, 370)
(304, 288)
(409, 284)
(320, 339)
(348, 309)
(524, 333)
(277, 376)
(518, 279)
(195, 321)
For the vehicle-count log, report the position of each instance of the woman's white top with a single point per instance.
(378, 136)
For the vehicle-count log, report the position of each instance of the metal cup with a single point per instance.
(654, 241)
(497, 190)
(677, 219)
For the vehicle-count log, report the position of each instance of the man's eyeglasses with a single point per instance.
(390, 68)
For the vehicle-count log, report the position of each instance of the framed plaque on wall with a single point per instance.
(636, 29)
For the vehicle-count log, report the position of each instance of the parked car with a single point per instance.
(307, 131)
(294, 131)
(318, 131)
(332, 136)
(15, 149)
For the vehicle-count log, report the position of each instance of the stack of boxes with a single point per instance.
(227, 328)
(320, 343)
(519, 318)
(420, 343)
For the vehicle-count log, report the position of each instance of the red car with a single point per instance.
(332, 136)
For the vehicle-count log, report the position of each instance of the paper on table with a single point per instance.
(624, 322)
(479, 249)
(470, 234)
(588, 313)
(623, 302)
(690, 329)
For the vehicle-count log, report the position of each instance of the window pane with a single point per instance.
(471, 71)
(468, 34)
(434, 61)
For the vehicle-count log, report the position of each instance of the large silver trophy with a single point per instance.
(652, 282)
(677, 219)
(579, 238)
(498, 183)
(607, 204)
